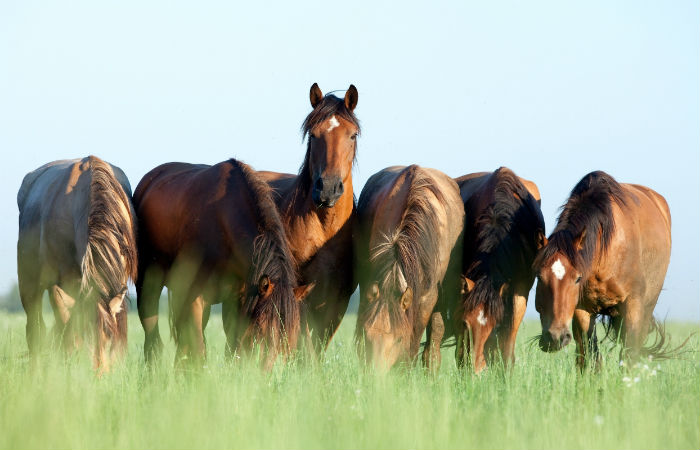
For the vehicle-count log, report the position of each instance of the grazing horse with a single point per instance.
(212, 234)
(503, 231)
(409, 225)
(317, 208)
(608, 256)
(77, 239)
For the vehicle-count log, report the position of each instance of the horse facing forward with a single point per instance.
(212, 234)
(317, 208)
(503, 231)
(408, 236)
(607, 256)
(77, 239)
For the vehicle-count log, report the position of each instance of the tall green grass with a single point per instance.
(335, 403)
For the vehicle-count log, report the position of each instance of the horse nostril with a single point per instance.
(318, 185)
(565, 338)
(339, 188)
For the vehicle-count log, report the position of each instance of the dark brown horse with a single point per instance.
(503, 231)
(409, 224)
(212, 234)
(77, 239)
(608, 256)
(317, 207)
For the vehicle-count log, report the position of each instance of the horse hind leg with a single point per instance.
(149, 285)
(435, 332)
(62, 304)
(30, 294)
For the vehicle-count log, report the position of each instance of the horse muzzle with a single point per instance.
(327, 191)
(554, 340)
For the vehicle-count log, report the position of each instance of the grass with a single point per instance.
(543, 403)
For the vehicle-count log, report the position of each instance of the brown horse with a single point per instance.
(77, 239)
(503, 231)
(608, 256)
(317, 207)
(212, 234)
(409, 224)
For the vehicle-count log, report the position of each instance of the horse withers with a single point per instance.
(408, 236)
(212, 234)
(607, 256)
(317, 208)
(503, 231)
(77, 240)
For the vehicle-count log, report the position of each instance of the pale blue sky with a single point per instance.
(552, 90)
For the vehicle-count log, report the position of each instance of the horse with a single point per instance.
(408, 229)
(503, 230)
(77, 239)
(607, 256)
(212, 234)
(317, 208)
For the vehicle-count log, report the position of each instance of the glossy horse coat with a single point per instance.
(503, 231)
(317, 208)
(607, 256)
(77, 239)
(212, 234)
(409, 223)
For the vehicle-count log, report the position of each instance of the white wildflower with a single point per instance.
(598, 420)
(636, 379)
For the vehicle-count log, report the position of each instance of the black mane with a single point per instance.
(589, 210)
(506, 236)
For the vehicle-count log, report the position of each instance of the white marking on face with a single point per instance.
(481, 318)
(558, 269)
(332, 123)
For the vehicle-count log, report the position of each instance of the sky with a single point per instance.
(551, 89)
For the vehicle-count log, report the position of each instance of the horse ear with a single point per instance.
(315, 95)
(264, 286)
(504, 289)
(467, 285)
(406, 299)
(301, 292)
(578, 242)
(541, 240)
(351, 98)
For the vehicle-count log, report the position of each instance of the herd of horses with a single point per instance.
(284, 253)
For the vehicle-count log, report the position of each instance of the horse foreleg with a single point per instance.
(509, 332)
(149, 285)
(191, 334)
(435, 332)
(635, 327)
(586, 341)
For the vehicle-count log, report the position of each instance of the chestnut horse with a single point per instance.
(77, 239)
(503, 231)
(409, 224)
(607, 256)
(212, 234)
(317, 207)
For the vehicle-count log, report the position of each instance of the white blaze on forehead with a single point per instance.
(332, 123)
(481, 318)
(558, 269)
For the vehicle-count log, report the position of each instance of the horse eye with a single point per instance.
(353, 136)
(578, 280)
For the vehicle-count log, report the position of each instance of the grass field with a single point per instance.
(543, 403)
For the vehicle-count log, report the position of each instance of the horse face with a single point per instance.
(332, 145)
(385, 326)
(558, 290)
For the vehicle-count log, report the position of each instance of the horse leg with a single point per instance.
(509, 331)
(149, 285)
(435, 331)
(30, 294)
(62, 305)
(463, 344)
(190, 345)
(480, 327)
(229, 315)
(586, 341)
(635, 327)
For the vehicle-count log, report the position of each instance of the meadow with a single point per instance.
(544, 402)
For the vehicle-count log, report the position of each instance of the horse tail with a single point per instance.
(110, 256)
(660, 347)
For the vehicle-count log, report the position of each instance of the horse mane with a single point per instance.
(505, 241)
(271, 257)
(111, 255)
(408, 255)
(329, 106)
(589, 210)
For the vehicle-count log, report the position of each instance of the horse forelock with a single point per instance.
(272, 257)
(506, 241)
(589, 210)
